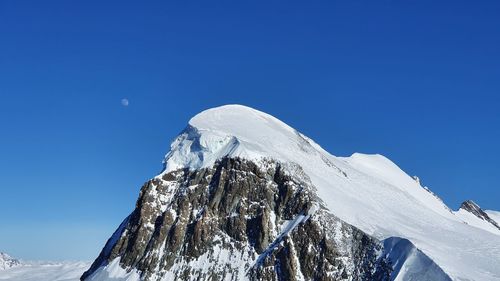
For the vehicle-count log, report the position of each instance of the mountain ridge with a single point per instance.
(472, 214)
(369, 192)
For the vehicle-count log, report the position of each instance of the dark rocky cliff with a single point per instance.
(238, 220)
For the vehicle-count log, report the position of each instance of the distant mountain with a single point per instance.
(243, 196)
(12, 269)
(472, 214)
(7, 261)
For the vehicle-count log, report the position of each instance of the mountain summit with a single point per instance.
(471, 207)
(472, 214)
(235, 131)
(243, 196)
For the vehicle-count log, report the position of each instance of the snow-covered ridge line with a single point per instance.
(409, 263)
(369, 192)
(494, 215)
(236, 131)
(474, 216)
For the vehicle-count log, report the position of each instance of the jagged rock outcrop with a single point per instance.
(417, 180)
(473, 208)
(237, 221)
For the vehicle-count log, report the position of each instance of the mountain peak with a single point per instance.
(470, 206)
(221, 113)
(473, 208)
(236, 131)
(239, 183)
(240, 121)
(7, 261)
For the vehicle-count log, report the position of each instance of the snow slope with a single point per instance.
(113, 271)
(473, 220)
(367, 191)
(494, 215)
(39, 271)
(409, 263)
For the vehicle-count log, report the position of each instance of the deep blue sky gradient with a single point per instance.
(417, 81)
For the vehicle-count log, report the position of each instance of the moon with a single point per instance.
(125, 102)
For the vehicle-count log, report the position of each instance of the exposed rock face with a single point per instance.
(471, 207)
(417, 179)
(240, 221)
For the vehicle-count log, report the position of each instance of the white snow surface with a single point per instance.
(45, 271)
(410, 264)
(367, 191)
(494, 215)
(113, 271)
(475, 221)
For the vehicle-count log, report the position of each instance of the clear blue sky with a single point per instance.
(417, 81)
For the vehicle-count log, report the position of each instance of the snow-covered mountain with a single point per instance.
(472, 214)
(12, 269)
(243, 196)
(7, 261)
